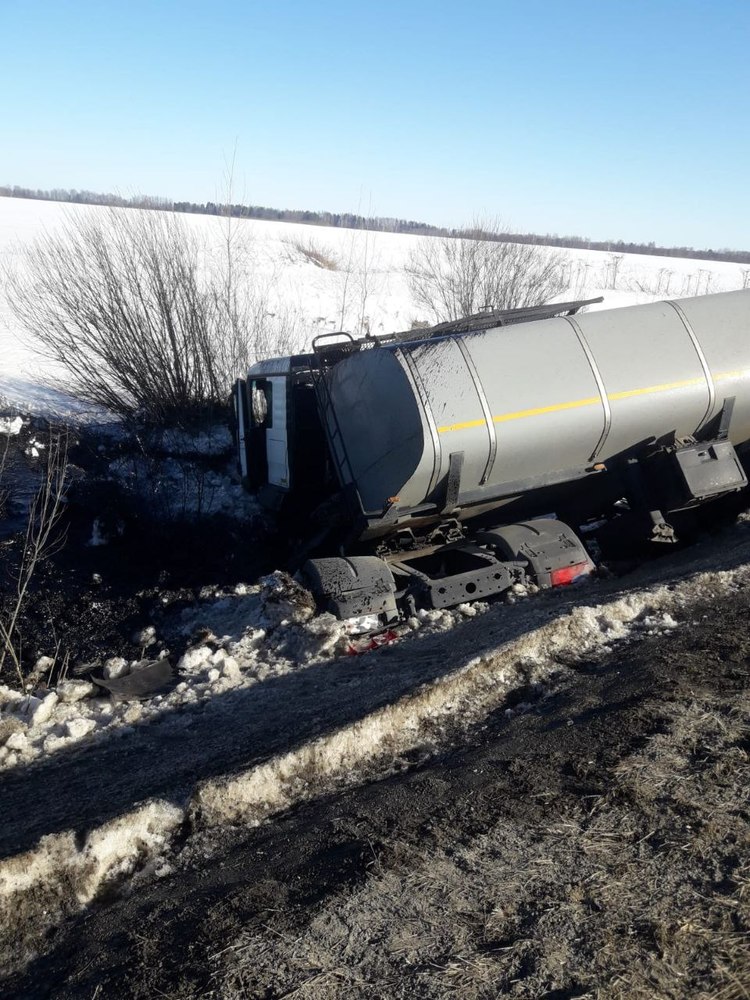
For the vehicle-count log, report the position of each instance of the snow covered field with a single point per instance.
(364, 288)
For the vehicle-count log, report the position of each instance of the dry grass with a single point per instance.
(642, 893)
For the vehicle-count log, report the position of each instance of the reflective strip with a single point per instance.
(655, 388)
(521, 413)
(590, 401)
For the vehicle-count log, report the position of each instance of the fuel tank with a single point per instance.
(465, 419)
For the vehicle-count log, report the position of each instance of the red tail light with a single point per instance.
(559, 577)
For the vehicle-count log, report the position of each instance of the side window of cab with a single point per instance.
(261, 403)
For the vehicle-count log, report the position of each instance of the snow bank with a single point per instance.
(61, 875)
(424, 718)
(245, 637)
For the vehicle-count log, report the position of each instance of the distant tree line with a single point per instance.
(349, 220)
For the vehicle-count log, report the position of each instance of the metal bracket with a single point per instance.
(717, 428)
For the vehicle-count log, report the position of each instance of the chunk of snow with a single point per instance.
(115, 667)
(75, 690)
(78, 728)
(231, 669)
(133, 713)
(11, 426)
(194, 659)
(97, 536)
(54, 741)
(9, 697)
(146, 637)
(17, 741)
(40, 709)
(364, 623)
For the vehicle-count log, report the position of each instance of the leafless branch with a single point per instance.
(455, 277)
(42, 540)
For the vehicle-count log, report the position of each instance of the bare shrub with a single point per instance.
(359, 282)
(141, 316)
(277, 327)
(453, 277)
(313, 251)
(612, 268)
(41, 541)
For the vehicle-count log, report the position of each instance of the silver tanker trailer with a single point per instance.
(422, 470)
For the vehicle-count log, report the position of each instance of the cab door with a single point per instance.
(277, 442)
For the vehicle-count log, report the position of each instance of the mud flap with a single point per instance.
(552, 550)
(351, 587)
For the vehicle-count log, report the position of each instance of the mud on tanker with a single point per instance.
(425, 469)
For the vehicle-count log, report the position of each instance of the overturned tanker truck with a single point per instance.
(431, 468)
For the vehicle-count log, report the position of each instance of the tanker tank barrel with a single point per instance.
(632, 418)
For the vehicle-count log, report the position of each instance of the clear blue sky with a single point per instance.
(608, 119)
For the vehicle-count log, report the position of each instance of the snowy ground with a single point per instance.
(364, 288)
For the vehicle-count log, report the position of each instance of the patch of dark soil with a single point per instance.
(122, 564)
(493, 870)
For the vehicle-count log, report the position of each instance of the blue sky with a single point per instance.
(603, 119)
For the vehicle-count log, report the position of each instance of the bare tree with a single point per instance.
(143, 318)
(453, 277)
(42, 540)
(612, 268)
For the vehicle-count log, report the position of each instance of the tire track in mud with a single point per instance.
(64, 871)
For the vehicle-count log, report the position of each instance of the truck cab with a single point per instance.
(280, 440)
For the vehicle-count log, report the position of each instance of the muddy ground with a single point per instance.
(594, 845)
